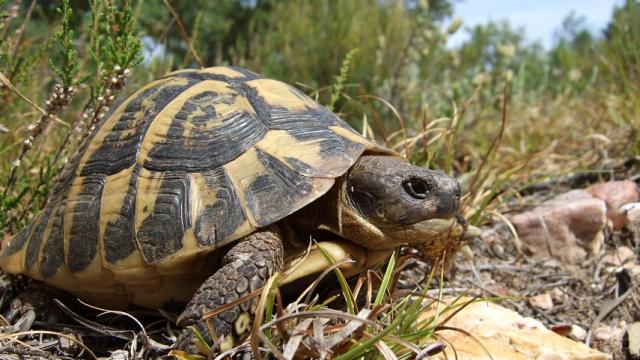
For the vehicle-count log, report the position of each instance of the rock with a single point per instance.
(558, 295)
(615, 194)
(542, 301)
(506, 335)
(70, 343)
(117, 355)
(561, 329)
(609, 336)
(618, 257)
(632, 211)
(567, 227)
(577, 333)
(631, 341)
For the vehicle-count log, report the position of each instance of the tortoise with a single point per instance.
(201, 185)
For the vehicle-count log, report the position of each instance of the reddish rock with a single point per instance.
(615, 194)
(567, 227)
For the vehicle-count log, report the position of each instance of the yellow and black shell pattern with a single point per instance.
(186, 164)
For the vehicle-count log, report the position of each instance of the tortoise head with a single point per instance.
(387, 202)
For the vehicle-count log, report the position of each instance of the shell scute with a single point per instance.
(35, 240)
(219, 213)
(205, 127)
(52, 253)
(83, 214)
(162, 226)
(115, 146)
(117, 230)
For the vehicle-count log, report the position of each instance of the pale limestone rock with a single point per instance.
(632, 211)
(619, 256)
(632, 341)
(542, 301)
(578, 333)
(507, 336)
(567, 227)
(609, 336)
(615, 194)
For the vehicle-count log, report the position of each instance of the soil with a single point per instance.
(592, 296)
(598, 298)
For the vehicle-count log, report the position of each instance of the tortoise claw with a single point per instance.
(21, 316)
(25, 322)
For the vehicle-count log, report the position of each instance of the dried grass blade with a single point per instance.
(385, 351)
(37, 332)
(468, 334)
(120, 334)
(259, 315)
(348, 329)
(295, 339)
(318, 337)
(395, 112)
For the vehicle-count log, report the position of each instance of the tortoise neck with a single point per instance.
(320, 215)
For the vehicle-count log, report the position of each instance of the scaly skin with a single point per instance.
(245, 268)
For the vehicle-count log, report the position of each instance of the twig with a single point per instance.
(112, 83)
(374, 114)
(496, 141)
(606, 309)
(20, 30)
(15, 336)
(58, 101)
(99, 328)
(184, 33)
(398, 117)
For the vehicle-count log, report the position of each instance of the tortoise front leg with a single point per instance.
(245, 268)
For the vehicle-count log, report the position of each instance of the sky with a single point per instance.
(540, 18)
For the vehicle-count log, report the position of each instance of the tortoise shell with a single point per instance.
(185, 165)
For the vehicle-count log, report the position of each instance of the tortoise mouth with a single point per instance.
(438, 227)
(439, 236)
(456, 227)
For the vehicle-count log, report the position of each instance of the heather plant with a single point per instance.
(40, 141)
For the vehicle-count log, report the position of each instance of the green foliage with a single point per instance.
(30, 193)
(121, 46)
(17, 61)
(67, 70)
(113, 45)
(621, 62)
(222, 25)
(341, 79)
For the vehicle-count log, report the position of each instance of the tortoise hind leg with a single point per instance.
(245, 268)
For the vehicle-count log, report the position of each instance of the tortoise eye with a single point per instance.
(417, 188)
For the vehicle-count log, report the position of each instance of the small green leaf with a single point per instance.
(384, 285)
